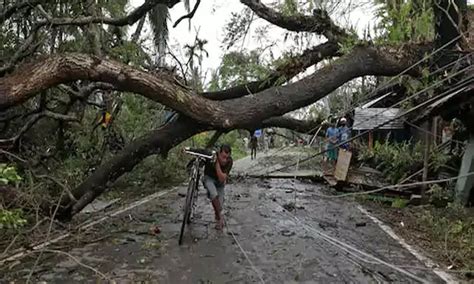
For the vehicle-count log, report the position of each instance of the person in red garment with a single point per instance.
(216, 175)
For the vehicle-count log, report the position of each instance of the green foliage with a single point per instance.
(128, 52)
(405, 21)
(453, 228)
(237, 68)
(440, 196)
(116, 8)
(139, 115)
(348, 43)
(8, 175)
(159, 17)
(419, 85)
(7, 42)
(11, 219)
(398, 160)
(400, 203)
(289, 7)
(236, 29)
(236, 142)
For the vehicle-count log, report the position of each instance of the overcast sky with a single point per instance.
(211, 17)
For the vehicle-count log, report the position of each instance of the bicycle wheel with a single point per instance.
(194, 199)
(187, 209)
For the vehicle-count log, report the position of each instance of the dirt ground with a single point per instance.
(278, 231)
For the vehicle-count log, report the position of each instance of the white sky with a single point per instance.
(210, 19)
(212, 15)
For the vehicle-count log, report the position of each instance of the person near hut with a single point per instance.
(447, 136)
(332, 138)
(344, 134)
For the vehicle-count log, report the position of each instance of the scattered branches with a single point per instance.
(80, 263)
(129, 19)
(26, 49)
(33, 120)
(20, 5)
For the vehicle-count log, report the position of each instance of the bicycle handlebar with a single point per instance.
(200, 153)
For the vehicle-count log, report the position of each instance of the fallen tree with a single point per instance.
(249, 106)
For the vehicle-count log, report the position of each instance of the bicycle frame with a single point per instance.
(195, 176)
(193, 186)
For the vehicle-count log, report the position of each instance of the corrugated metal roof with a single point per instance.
(463, 94)
(370, 118)
(374, 101)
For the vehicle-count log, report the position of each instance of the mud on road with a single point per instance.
(263, 242)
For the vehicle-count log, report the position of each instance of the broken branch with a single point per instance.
(8, 12)
(283, 73)
(34, 118)
(129, 19)
(319, 23)
(188, 16)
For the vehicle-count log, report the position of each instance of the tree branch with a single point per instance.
(303, 126)
(163, 88)
(138, 31)
(214, 138)
(129, 19)
(283, 73)
(188, 16)
(33, 120)
(319, 23)
(26, 49)
(256, 108)
(8, 12)
(159, 141)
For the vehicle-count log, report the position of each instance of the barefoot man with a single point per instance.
(215, 178)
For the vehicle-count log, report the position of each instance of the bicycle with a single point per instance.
(201, 156)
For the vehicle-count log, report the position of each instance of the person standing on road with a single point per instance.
(332, 136)
(344, 134)
(265, 143)
(215, 177)
(253, 147)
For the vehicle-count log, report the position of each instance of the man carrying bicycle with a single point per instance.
(215, 177)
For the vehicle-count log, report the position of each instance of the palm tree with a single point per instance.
(158, 18)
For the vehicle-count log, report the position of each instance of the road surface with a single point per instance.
(278, 231)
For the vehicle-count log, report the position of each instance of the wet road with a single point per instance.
(317, 240)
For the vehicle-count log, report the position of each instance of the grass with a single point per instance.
(451, 230)
(447, 233)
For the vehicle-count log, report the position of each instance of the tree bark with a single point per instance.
(159, 141)
(18, 87)
(282, 74)
(129, 19)
(197, 113)
(303, 126)
(319, 22)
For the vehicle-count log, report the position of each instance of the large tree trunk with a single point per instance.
(31, 79)
(159, 141)
(197, 113)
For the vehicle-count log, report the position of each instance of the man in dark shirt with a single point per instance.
(215, 177)
(253, 147)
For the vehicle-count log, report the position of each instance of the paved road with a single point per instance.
(313, 240)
